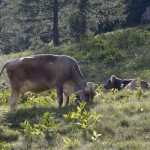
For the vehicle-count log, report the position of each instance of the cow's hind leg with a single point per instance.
(60, 96)
(66, 99)
(14, 100)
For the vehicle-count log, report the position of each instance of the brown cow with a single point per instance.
(116, 83)
(39, 73)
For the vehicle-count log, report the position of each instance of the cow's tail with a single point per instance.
(4, 66)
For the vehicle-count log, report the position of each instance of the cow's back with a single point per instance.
(40, 72)
(134, 85)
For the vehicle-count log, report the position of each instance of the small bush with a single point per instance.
(4, 97)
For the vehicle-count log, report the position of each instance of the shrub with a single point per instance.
(82, 117)
(43, 127)
(4, 97)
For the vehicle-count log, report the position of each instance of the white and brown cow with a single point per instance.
(39, 73)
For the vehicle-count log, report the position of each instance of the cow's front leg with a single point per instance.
(14, 100)
(60, 96)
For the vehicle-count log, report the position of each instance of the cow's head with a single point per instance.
(88, 92)
(113, 83)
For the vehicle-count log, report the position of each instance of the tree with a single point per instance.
(55, 24)
(25, 24)
(46, 11)
(84, 15)
(36, 19)
(9, 27)
(32, 20)
(135, 10)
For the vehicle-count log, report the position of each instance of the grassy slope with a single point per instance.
(125, 117)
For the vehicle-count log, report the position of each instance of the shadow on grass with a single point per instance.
(34, 113)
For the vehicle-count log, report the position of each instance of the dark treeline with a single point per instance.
(25, 23)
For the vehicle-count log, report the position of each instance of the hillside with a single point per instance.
(115, 120)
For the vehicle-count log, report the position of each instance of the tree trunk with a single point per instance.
(55, 24)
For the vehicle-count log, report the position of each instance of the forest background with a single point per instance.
(30, 24)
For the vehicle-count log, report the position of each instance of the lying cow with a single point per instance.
(44, 72)
(132, 84)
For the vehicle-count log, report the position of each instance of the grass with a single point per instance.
(124, 124)
(124, 116)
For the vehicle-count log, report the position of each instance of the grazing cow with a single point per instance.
(116, 83)
(39, 73)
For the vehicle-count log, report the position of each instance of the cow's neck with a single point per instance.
(80, 85)
(79, 80)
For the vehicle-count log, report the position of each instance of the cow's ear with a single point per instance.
(113, 78)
